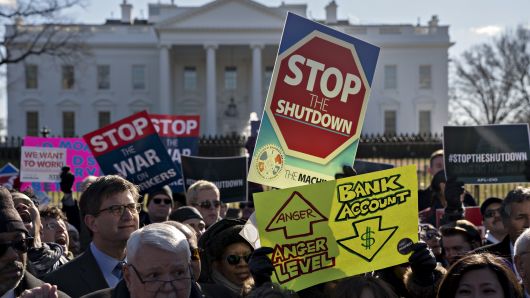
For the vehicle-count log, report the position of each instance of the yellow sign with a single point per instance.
(334, 229)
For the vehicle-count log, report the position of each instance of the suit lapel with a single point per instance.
(90, 272)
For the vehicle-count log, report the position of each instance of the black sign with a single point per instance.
(228, 173)
(487, 154)
(364, 167)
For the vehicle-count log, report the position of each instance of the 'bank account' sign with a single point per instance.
(334, 229)
(315, 107)
(132, 149)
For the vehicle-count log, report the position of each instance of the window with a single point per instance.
(390, 76)
(103, 118)
(230, 78)
(68, 77)
(138, 77)
(425, 77)
(68, 124)
(32, 78)
(32, 123)
(190, 78)
(425, 122)
(390, 122)
(267, 77)
(103, 77)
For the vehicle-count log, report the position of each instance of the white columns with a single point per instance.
(211, 96)
(165, 79)
(257, 101)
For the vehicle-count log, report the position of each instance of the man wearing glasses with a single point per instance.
(492, 220)
(158, 265)
(204, 196)
(14, 278)
(110, 210)
(55, 228)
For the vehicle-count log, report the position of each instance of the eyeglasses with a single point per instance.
(195, 254)
(208, 204)
(234, 259)
(154, 285)
(118, 210)
(21, 245)
(160, 201)
(246, 205)
(491, 212)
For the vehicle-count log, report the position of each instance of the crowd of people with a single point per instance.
(109, 242)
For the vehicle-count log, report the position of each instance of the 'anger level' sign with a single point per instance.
(132, 149)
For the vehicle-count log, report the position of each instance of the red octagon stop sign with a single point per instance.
(319, 98)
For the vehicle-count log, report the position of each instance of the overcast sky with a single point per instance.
(470, 21)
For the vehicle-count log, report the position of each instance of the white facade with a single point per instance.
(215, 60)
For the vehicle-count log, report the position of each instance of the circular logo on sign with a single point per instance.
(405, 246)
(269, 161)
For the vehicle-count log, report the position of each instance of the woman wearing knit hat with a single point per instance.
(191, 216)
(225, 256)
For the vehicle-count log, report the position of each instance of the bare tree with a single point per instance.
(37, 27)
(491, 82)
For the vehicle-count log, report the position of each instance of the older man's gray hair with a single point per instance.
(522, 244)
(518, 195)
(159, 235)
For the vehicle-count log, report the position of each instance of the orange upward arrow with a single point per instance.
(296, 217)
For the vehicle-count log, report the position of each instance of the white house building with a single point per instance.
(216, 60)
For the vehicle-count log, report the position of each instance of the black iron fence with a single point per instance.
(398, 150)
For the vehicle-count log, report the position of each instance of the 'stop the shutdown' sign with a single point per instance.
(315, 106)
(487, 153)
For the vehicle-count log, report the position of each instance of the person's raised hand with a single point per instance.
(44, 291)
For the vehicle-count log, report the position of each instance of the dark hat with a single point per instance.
(10, 220)
(165, 190)
(184, 213)
(216, 238)
(488, 202)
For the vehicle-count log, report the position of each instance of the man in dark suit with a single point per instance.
(14, 244)
(515, 214)
(109, 209)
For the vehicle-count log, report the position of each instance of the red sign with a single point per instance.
(176, 126)
(319, 96)
(120, 133)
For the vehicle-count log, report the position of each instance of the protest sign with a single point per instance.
(315, 107)
(41, 164)
(471, 213)
(132, 149)
(489, 154)
(180, 136)
(363, 167)
(78, 157)
(229, 174)
(331, 230)
(8, 174)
